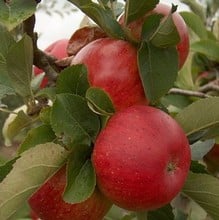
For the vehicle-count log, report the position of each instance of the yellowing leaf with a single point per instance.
(200, 115)
(204, 189)
(29, 172)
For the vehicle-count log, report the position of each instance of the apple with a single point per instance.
(212, 159)
(135, 28)
(141, 158)
(33, 215)
(112, 66)
(58, 49)
(48, 204)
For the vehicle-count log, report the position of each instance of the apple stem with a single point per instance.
(142, 215)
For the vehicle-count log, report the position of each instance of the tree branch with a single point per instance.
(211, 86)
(188, 93)
(41, 59)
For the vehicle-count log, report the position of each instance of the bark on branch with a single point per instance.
(41, 59)
(188, 93)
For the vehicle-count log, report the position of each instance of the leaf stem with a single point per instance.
(142, 215)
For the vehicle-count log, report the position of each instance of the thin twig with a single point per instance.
(188, 93)
(211, 86)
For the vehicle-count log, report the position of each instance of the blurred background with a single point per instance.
(59, 19)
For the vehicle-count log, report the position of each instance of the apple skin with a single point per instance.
(212, 159)
(33, 215)
(58, 49)
(141, 158)
(112, 66)
(182, 47)
(48, 204)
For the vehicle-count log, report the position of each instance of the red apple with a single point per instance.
(58, 49)
(182, 47)
(33, 215)
(141, 158)
(212, 159)
(112, 66)
(48, 204)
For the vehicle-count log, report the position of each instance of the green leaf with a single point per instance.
(15, 12)
(73, 80)
(14, 125)
(22, 214)
(150, 25)
(102, 17)
(212, 133)
(141, 215)
(49, 92)
(6, 42)
(103, 2)
(204, 189)
(196, 8)
(99, 101)
(45, 115)
(136, 9)
(166, 34)
(197, 167)
(194, 22)
(81, 179)
(209, 48)
(35, 136)
(185, 78)
(200, 148)
(19, 64)
(5, 90)
(200, 115)
(164, 213)
(72, 118)
(117, 213)
(28, 173)
(74, 165)
(158, 69)
(2, 160)
(85, 183)
(6, 168)
(175, 103)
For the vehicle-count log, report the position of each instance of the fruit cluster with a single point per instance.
(142, 156)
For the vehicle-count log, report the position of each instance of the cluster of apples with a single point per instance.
(142, 156)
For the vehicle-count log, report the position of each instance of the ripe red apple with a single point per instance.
(141, 158)
(57, 49)
(112, 66)
(212, 159)
(182, 47)
(48, 204)
(33, 215)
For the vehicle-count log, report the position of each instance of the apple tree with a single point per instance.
(120, 121)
